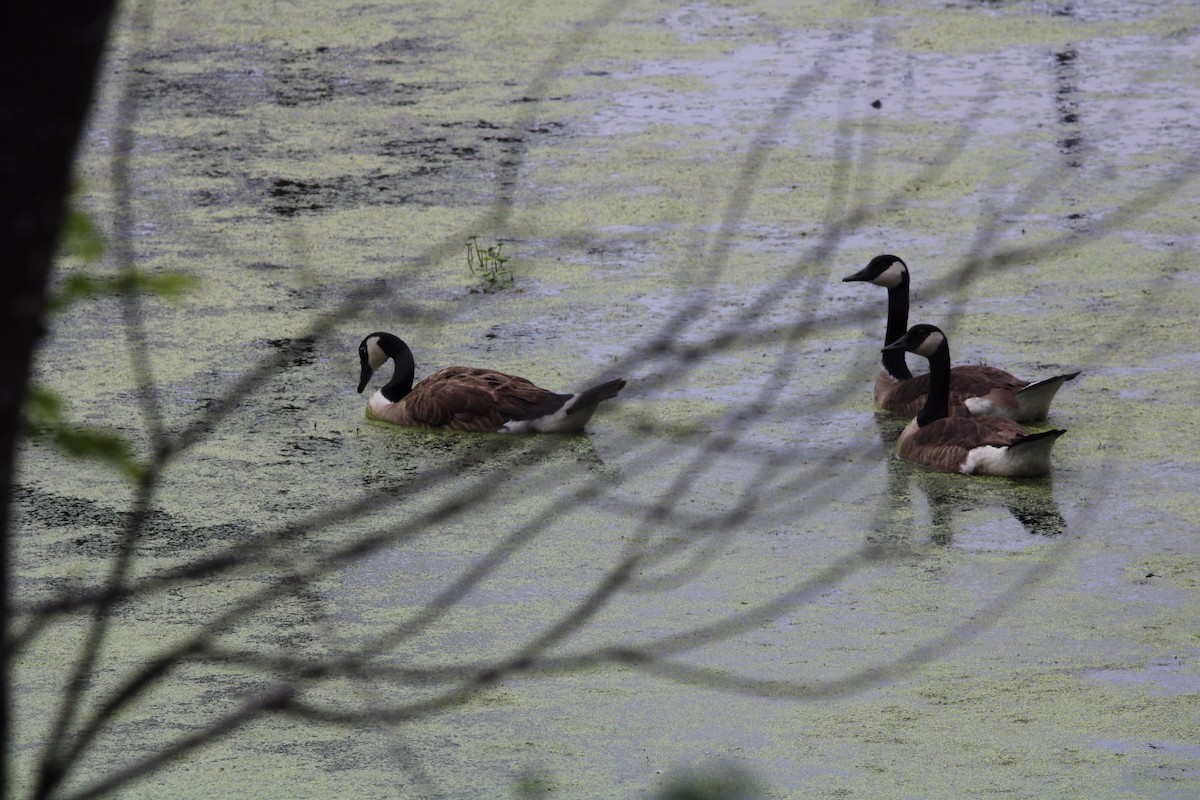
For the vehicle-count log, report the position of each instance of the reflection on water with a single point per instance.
(394, 456)
(953, 498)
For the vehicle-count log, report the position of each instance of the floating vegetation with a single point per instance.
(488, 265)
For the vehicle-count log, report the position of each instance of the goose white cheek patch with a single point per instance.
(932, 342)
(890, 278)
(375, 354)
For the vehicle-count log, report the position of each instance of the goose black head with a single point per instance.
(924, 340)
(886, 270)
(370, 358)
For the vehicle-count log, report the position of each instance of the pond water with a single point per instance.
(729, 568)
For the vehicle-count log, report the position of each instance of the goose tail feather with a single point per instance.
(1026, 457)
(1034, 400)
(595, 395)
(571, 416)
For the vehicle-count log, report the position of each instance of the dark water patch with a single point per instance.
(393, 457)
(305, 78)
(420, 181)
(283, 76)
(217, 688)
(1040, 519)
(314, 445)
(92, 528)
(332, 755)
(528, 99)
(303, 85)
(207, 198)
(423, 168)
(546, 127)
(294, 196)
(301, 352)
(435, 152)
(399, 51)
(219, 93)
(290, 622)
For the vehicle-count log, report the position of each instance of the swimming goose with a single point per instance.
(469, 398)
(973, 445)
(975, 389)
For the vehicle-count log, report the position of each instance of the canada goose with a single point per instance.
(975, 389)
(469, 398)
(973, 445)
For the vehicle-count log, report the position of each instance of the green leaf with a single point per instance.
(80, 237)
(44, 406)
(169, 286)
(75, 287)
(44, 411)
(100, 445)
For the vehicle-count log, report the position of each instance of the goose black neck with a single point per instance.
(897, 324)
(937, 403)
(406, 367)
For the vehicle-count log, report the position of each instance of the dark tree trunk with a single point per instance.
(48, 63)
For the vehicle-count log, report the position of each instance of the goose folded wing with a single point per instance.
(996, 385)
(474, 399)
(969, 433)
(910, 391)
(966, 381)
(909, 395)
